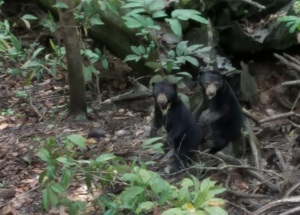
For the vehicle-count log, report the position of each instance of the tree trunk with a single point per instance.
(77, 103)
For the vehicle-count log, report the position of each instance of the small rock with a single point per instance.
(270, 112)
(121, 133)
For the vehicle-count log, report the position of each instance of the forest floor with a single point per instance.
(27, 122)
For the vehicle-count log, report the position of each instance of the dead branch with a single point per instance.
(279, 116)
(245, 195)
(249, 115)
(291, 190)
(287, 62)
(277, 203)
(291, 212)
(239, 207)
(34, 108)
(254, 144)
(293, 59)
(255, 4)
(288, 83)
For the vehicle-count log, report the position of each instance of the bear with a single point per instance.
(224, 116)
(183, 132)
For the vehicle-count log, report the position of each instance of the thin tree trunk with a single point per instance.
(77, 103)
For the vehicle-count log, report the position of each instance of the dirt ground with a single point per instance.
(25, 123)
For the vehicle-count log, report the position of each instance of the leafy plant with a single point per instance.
(63, 167)
(293, 22)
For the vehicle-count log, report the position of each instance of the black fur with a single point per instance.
(183, 132)
(224, 115)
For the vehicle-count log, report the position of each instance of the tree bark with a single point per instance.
(77, 103)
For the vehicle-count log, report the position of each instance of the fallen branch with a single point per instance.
(279, 116)
(277, 203)
(249, 115)
(255, 4)
(291, 190)
(292, 211)
(288, 83)
(287, 62)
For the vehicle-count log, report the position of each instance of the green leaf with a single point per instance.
(142, 49)
(46, 199)
(154, 79)
(159, 14)
(136, 11)
(185, 99)
(56, 187)
(132, 57)
(213, 210)
(136, 50)
(36, 52)
(146, 207)
(185, 74)
(96, 20)
(200, 19)
(53, 197)
(173, 211)
(176, 27)
(153, 65)
(77, 140)
(66, 177)
(151, 140)
(105, 157)
(189, 50)
(112, 6)
(29, 17)
(44, 154)
(192, 60)
(186, 182)
(105, 64)
(16, 43)
(61, 5)
(132, 22)
(181, 47)
(133, 4)
(287, 18)
(156, 5)
(87, 73)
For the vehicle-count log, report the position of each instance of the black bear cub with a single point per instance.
(183, 132)
(224, 116)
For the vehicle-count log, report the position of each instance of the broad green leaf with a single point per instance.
(215, 210)
(181, 47)
(136, 50)
(186, 182)
(189, 50)
(192, 60)
(16, 43)
(56, 187)
(153, 65)
(186, 74)
(142, 49)
(157, 5)
(61, 5)
(173, 211)
(87, 73)
(96, 20)
(53, 197)
(44, 154)
(159, 14)
(77, 140)
(136, 11)
(176, 27)
(155, 79)
(185, 99)
(199, 19)
(29, 17)
(151, 140)
(66, 177)
(287, 18)
(133, 4)
(30, 64)
(105, 157)
(146, 207)
(46, 199)
(132, 57)
(112, 6)
(132, 22)
(36, 52)
(105, 64)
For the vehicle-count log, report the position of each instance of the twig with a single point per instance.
(277, 203)
(293, 59)
(249, 115)
(292, 211)
(294, 124)
(245, 195)
(288, 83)
(19, 196)
(295, 102)
(239, 207)
(279, 116)
(291, 190)
(287, 63)
(33, 107)
(255, 4)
